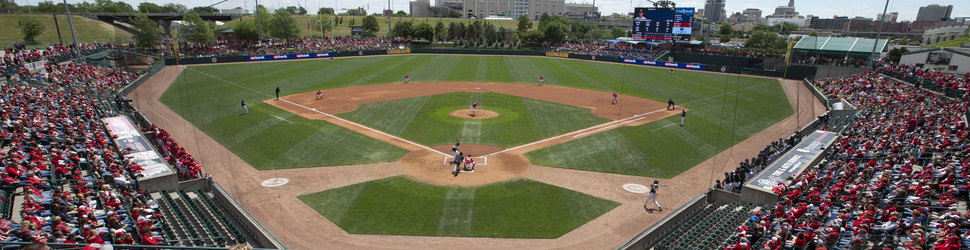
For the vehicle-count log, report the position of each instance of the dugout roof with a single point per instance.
(850, 46)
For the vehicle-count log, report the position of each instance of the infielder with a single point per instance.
(407, 79)
(614, 98)
(683, 114)
(653, 195)
(540, 80)
(245, 109)
(319, 94)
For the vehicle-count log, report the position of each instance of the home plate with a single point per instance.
(275, 182)
(635, 188)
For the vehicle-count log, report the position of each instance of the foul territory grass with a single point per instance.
(725, 109)
(426, 119)
(512, 209)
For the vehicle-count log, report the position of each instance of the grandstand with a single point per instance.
(883, 167)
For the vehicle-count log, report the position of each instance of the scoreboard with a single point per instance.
(663, 23)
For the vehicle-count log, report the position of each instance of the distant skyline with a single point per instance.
(822, 8)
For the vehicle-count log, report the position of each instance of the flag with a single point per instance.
(330, 22)
(788, 52)
(308, 25)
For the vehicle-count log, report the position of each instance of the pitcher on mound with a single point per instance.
(473, 106)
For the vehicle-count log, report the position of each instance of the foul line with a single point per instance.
(281, 118)
(325, 114)
(668, 125)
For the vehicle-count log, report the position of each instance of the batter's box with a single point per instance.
(484, 160)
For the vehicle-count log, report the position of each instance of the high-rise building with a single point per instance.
(578, 10)
(934, 12)
(420, 8)
(754, 15)
(714, 11)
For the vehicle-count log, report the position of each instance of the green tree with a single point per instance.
(246, 30)
(283, 25)
(30, 27)
(356, 12)
(108, 6)
(451, 14)
(197, 30)
(524, 23)
(439, 30)
(263, 20)
(765, 40)
(725, 38)
(146, 32)
(726, 29)
(370, 24)
(543, 17)
(896, 54)
(8, 6)
(175, 8)
(401, 13)
(813, 33)
(424, 31)
(531, 37)
(554, 33)
(786, 28)
(617, 32)
(146, 7)
(402, 29)
(322, 23)
(205, 9)
(325, 10)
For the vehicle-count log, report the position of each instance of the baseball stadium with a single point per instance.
(332, 144)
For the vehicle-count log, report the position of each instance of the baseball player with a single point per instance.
(670, 104)
(683, 114)
(319, 94)
(245, 109)
(459, 159)
(474, 105)
(653, 195)
(671, 71)
(277, 92)
(469, 163)
(614, 98)
(540, 80)
(454, 150)
(407, 79)
(331, 59)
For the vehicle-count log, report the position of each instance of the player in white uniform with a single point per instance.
(653, 195)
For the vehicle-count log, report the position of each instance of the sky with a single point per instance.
(823, 8)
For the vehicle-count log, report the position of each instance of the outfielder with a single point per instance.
(407, 79)
(245, 109)
(653, 195)
(540, 80)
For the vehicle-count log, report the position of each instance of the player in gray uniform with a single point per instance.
(653, 195)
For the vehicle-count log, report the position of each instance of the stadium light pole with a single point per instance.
(74, 35)
(259, 24)
(592, 21)
(878, 33)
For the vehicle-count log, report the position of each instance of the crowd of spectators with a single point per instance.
(730, 52)
(57, 154)
(932, 76)
(892, 181)
(750, 167)
(618, 49)
(271, 46)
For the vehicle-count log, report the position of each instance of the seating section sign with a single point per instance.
(795, 161)
(141, 151)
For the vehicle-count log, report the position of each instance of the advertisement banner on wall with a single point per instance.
(666, 64)
(557, 54)
(128, 137)
(288, 56)
(398, 51)
(795, 161)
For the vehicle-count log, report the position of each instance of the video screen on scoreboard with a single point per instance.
(663, 23)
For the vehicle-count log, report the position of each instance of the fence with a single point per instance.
(653, 234)
(152, 69)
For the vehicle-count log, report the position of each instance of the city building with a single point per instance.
(947, 60)
(934, 12)
(834, 23)
(891, 17)
(714, 11)
(577, 10)
(512, 8)
(944, 31)
(420, 8)
(754, 15)
(786, 13)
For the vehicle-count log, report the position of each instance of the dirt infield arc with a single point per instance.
(300, 227)
(429, 164)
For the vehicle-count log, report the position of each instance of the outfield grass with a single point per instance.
(426, 119)
(647, 150)
(512, 209)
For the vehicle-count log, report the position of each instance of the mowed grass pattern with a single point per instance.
(725, 109)
(512, 209)
(426, 120)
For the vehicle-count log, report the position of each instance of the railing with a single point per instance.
(650, 236)
(152, 70)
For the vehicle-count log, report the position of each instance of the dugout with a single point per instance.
(807, 153)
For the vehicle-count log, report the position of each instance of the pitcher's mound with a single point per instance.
(436, 168)
(479, 114)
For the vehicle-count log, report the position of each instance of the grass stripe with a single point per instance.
(456, 214)
(335, 203)
(466, 70)
(482, 66)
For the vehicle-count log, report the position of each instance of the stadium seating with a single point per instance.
(708, 228)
